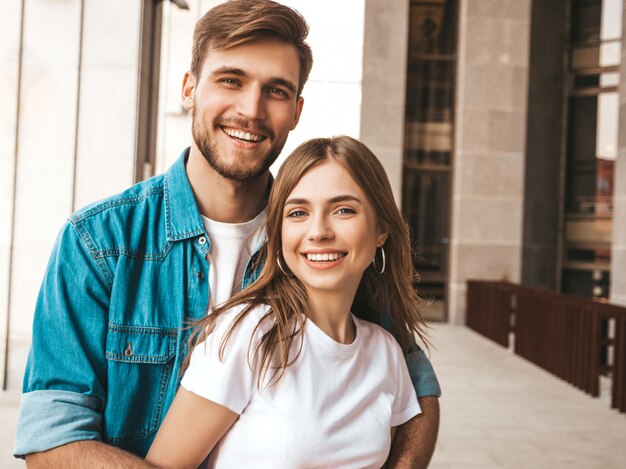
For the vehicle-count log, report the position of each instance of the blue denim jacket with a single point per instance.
(126, 276)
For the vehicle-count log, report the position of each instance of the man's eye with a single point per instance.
(230, 81)
(279, 92)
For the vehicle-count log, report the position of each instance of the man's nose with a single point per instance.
(251, 104)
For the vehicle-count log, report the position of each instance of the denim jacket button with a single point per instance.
(129, 350)
(202, 240)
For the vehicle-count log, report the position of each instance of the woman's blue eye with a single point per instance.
(346, 211)
(296, 213)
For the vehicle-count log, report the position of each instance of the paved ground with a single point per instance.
(498, 411)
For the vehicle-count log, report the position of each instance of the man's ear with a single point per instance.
(188, 91)
(296, 119)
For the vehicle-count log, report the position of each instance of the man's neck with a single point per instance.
(223, 199)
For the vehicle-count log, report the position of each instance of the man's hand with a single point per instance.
(415, 440)
(82, 454)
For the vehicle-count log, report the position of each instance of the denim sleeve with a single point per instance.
(64, 381)
(422, 374)
(52, 418)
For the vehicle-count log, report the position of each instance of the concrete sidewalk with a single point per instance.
(498, 411)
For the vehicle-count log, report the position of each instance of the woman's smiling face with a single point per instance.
(329, 230)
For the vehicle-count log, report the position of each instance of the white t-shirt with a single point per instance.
(232, 245)
(333, 408)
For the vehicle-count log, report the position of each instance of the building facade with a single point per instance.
(500, 123)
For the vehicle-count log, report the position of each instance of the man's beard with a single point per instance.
(236, 172)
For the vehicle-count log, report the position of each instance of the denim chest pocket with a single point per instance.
(140, 362)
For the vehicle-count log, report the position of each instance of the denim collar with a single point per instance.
(182, 217)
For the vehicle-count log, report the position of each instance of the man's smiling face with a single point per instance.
(244, 105)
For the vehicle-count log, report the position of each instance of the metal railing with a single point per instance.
(562, 334)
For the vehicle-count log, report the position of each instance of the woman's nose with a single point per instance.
(320, 229)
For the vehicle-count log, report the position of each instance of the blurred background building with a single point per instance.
(498, 122)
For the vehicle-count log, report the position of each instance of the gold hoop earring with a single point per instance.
(280, 265)
(382, 251)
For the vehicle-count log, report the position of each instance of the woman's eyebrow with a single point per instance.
(334, 200)
(296, 202)
(345, 198)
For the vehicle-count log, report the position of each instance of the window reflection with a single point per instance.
(591, 145)
(428, 139)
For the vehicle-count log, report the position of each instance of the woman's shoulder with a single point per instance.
(245, 317)
(376, 335)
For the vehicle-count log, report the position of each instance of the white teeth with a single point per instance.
(324, 257)
(242, 135)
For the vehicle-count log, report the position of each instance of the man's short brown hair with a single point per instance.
(237, 22)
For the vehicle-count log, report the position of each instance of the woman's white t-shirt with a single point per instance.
(333, 408)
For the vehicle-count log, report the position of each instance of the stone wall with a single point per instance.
(488, 181)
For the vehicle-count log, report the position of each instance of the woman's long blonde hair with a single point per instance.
(390, 293)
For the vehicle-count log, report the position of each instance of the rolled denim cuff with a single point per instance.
(52, 418)
(422, 374)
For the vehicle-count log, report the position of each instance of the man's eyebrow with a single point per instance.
(334, 200)
(228, 70)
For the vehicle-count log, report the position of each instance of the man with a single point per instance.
(128, 274)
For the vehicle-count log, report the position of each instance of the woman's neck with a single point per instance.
(331, 313)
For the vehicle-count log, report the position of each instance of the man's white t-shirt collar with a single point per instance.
(232, 245)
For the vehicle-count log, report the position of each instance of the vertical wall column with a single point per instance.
(488, 180)
(108, 99)
(68, 137)
(618, 249)
(10, 55)
(45, 158)
(384, 84)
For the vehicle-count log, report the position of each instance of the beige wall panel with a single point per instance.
(488, 175)
(502, 9)
(107, 115)
(487, 220)
(488, 261)
(9, 69)
(456, 302)
(384, 84)
(488, 179)
(45, 158)
(493, 87)
(106, 133)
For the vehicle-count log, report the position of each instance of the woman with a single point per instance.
(290, 372)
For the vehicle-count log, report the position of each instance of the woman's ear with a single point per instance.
(381, 238)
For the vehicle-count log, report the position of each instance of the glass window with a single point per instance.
(591, 145)
(429, 141)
